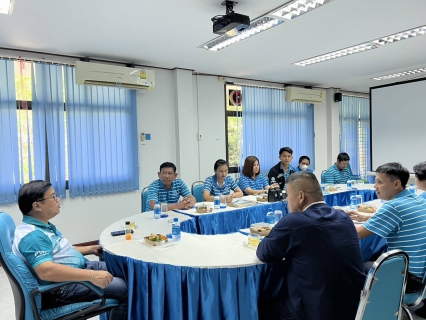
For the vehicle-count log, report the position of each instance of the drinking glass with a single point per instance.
(253, 239)
(164, 210)
(222, 201)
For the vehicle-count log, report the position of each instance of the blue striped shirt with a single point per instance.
(402, 221)
(157, 191)
(423, 195)
(213, 187)
(335, 176)
(259, 183)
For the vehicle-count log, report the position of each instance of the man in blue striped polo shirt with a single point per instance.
(401, 220)
(340, 172)
(168, 189)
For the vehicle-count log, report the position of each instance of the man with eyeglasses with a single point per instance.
(53, 259)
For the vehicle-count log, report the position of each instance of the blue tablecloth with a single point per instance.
(231, 221)
(158, 291)
(344, 198)
(189, 226)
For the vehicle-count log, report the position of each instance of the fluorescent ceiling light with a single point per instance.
(6, 6)
(296, 8)
(373, 44)
(273, 18)
(400, 74)
(230, 38)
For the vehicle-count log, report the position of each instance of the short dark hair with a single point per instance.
(307, 182)
(420, 170)
(395, 170)
(219, 163)
(31, 192)
(343, 156)
(303, 158)
(286, 149)
(168, 165)
(248, 166)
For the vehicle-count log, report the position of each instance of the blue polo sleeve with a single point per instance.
(232, 183)
(264, 180)
(36, 248)
(243, 183)
(329, 176)
(153, 191)
(208, 185)
(184, 191)
(384, 221)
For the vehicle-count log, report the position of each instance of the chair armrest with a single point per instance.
(50, 286)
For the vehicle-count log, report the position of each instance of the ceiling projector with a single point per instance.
(230, 21)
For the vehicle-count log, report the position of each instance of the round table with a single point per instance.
(199, 277)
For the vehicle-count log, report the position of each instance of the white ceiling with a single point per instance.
(167, 34)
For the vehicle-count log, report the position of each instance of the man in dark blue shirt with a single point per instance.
(324, 271)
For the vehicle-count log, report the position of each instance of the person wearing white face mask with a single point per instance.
(304, 162)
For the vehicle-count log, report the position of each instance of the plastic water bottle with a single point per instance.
(270, 216)
(349, 184)
(412, 188)
(217, 202)
(157, 210)
(176, 229)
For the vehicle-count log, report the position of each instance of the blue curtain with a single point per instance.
(270, 123)
(10, 178)
(355, 132)
(48, 124)
(102, 138)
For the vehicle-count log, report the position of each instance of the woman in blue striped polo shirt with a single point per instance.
(252, 181)
(221, 183)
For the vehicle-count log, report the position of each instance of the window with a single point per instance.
(234, 127)
(43, 146)
(263, 123)
(355, 132)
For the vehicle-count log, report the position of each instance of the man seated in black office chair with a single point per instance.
(53, 259)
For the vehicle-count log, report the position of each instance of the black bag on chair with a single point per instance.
(275, 194)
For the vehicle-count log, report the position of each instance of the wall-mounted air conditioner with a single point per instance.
(114, 76)
(295, 94)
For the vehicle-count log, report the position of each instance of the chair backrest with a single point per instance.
(20, 277)
(144, 196)
(384, 287)
(197, 190)
(322, 176)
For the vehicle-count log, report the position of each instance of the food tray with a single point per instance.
(155, 243)
(261, 228)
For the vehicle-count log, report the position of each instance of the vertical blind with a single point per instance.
(355, 132)
(87, 134)
(270, 123)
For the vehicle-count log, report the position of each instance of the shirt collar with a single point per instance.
(318, 202)
(160, 183)
(34, 221)
(403, 193)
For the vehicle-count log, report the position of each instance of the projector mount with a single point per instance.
(229, 9)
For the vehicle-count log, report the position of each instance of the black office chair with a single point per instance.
(27, 291)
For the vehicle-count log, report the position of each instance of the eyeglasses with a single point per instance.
(54, 198)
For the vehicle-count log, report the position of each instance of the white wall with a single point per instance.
(181, 107)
